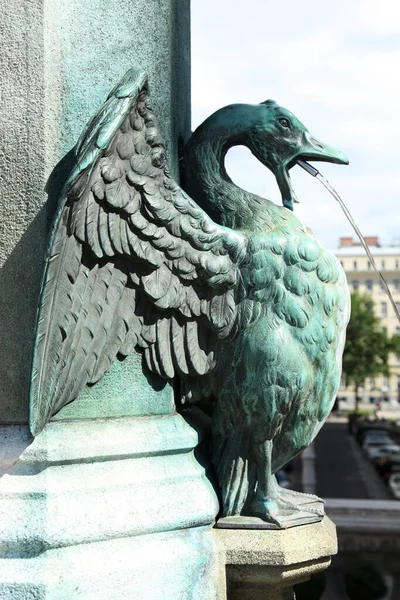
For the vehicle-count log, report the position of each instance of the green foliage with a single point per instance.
(363, 581)
(356, 415)
(367, 349)
(361, 412)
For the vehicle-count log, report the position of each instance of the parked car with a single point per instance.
(387, 451)
(373, 442)
(376, 433)
(386, 466)
(370, 428)
(394, 484)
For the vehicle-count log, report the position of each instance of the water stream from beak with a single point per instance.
(315, 173)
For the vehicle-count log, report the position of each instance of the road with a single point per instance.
(342, 470)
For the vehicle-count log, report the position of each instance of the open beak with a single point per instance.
(311, 149)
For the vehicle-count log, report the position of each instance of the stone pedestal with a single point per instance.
(266, 564)
(108, 501)
(109, 508)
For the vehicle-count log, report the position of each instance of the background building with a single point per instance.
(362, 277)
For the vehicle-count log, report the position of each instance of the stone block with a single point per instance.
(268, 563)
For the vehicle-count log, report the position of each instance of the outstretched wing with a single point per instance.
(133, 262)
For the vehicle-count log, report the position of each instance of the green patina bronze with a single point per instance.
(224, 293)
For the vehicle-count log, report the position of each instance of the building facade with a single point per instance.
(362, 277)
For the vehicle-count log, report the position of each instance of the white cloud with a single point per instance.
(376, 18)
(336, 66)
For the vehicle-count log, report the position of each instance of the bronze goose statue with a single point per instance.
(225, 291)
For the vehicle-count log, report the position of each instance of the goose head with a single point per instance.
(279, 140)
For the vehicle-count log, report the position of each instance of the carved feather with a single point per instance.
(55, 304)
(195, 355)
(92, 228)
(178, 347)
(137, 266)
(163, 349)
(223, 312)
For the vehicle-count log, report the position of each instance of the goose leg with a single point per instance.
(266, 504)
(272, 503)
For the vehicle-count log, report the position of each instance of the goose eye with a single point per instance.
(285, 123)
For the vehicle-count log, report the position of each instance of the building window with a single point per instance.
(386, 399)
(368, 285)
(382, 286)
(382, 264)
(396, 285)
(385, 384)
(397, 264)
(383, 309)
(372, 399)
(355, 265)
(355, 285)
(369, 265)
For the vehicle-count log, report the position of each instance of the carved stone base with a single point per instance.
(265, 564)
(105, 509)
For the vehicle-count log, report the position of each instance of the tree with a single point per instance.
(367, 348)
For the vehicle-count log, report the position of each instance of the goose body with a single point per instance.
(287, 363)
(221, 290)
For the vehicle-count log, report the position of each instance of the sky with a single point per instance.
(336, 66)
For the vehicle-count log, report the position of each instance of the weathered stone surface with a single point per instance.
(13, 441)
(267, 563)
(87, 481)
(22, 178)
(164, 566)
(279, 547)
(58, 64)
(108, 508)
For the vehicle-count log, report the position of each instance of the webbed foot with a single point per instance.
(301, 497)
(276, 506)
(301, 501)
(282, 513)
(273, 511)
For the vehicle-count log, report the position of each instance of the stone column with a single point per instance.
(59, 61)
(108, 501)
